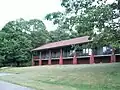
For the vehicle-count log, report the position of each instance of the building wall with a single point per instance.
(83, 61)
(44, 62)
(103, 59)
(68, 61)
(53, 62)
(117, 58)
(36, 63)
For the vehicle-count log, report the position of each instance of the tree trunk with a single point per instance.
(18, 64)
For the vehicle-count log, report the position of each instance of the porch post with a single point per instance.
(32, 60)
(40, 62)
(61, 57)
(113, 57)
(40, 59)
(92, 58)
(74, 59)
(49, 61)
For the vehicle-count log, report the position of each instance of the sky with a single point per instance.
(29, 9)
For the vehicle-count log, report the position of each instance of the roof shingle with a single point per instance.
(73, 41)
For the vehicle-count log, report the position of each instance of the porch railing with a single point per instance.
(35, 57)
(69, 54)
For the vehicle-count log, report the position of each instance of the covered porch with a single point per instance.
(66, 55)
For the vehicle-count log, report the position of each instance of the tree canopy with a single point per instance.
(18, 38)
(96, 18)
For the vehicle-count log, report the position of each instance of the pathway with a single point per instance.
(9, 86)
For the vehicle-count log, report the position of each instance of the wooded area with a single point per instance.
(95, 18)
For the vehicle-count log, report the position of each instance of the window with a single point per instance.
(87, 51)
(104, 49)
(84, 51)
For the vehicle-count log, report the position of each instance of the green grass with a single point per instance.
(66, 77)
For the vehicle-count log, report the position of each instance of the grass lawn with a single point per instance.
(66, 77)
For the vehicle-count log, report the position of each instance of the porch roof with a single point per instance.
(78, 40)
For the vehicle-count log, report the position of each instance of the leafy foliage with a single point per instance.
(58, 35)
(18, 38)
(95, 18)
(38, 32)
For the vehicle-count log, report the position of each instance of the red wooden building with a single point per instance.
(63, 52)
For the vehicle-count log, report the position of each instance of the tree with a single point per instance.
(58, 35)
(15, 45)
(95, 18)
(18, 38)
(38, 33)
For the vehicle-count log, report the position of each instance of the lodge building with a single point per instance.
(63, 52)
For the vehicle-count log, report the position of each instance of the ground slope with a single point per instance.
(67, 77)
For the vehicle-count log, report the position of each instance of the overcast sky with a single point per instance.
(28, 9)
